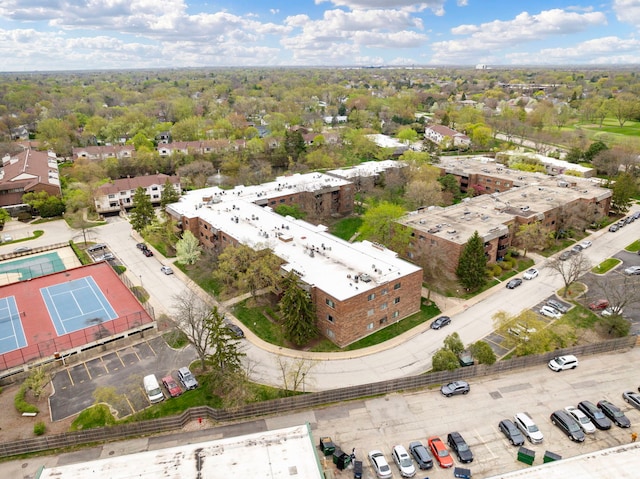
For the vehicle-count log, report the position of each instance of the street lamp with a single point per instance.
(303, 388)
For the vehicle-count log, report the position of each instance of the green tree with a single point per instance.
(532, 236)
(169, 194)
(453, 343)
(290, 210)
(379, 225)
(142, 213)
(444, 360)
(294, 144)
(624, 189)
(188, 249)
(298, 313)
(47, 206)
(472, 265)
(225, 358)
(593, 150)
(4, 216)
(451, 186)
(262, 271)
(614, 326)
(482, 352)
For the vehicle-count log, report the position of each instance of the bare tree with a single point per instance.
(570, 269)
(294, 372)
(620, 290)
(192, 317)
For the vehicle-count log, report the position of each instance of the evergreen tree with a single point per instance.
(142, 213)
(294, 144)
(298, 312)
(169, 194)
(225, 358)
(472, 264)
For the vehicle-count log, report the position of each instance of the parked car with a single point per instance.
(632, 398)
(421, 455)
(235, 331)
(614, 413)
(7, 238)
(576, 249)
(613, 228)
(456, 387)
(147, 252)
(636, 215)
(530, 273)
(550, 312)
(141, 246)
(187, 379)
(465, 358)
(565, 255)
(403, 461)
(582, 419)
(166, 269)
(22, 249)
(612, 311)
(514, 283)
(632, 270)
(511, 432)
(585, 244)
(440, 452)
(380, 464)
(441, 322)
(528, 427)
(595, 414)
(567, 424)
(598, 304)
(563, 308)
(560, 363)
(172, 386)
(457, 444)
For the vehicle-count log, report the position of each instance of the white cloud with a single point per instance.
(627, 11)
(437, 6)
(606, 50)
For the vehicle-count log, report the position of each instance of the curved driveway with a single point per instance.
(405, 355)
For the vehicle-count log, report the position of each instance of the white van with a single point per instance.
(152, 388)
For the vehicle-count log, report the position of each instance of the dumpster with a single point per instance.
(526, 455)
(336, 455)
(343, 461)
(462, 473)
(327, 446)
(357, 469)
(550, 457)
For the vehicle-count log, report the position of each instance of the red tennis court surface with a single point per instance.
(39, 331)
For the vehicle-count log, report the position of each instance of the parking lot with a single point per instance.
(122, 369)
(381, 423)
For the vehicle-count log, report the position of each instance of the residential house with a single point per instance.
(446, 137)
(26, 172)
(118, 195)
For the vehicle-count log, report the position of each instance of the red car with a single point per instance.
(172, 386)
(599, 304)
(440, 452)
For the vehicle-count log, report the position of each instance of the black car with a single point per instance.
(234, 330)
(614, 413)
(567, 424)
(511, 432)
(459, 445)
(440, 322)
(421, 455)
(596, 415)
(147, 252)
(141, 246)
(514, 283)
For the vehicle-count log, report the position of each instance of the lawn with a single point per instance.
(633, 247)
(607, 265)
(253, 318)
(346, 228)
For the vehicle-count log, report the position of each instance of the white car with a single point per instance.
(530, 273)
(582, 419)
(166, 270)
(550, 312)
(610, 311)
(585, 244)
(380, 464)
(560, 363)
(403, 461)
(528, 427)
(632, 270)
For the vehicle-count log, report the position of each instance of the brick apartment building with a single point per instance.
(357, 288)
(26, 172)
(511, 199)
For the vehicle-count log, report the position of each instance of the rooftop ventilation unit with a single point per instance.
(365, 278)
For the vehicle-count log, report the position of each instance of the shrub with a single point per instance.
(21, 403)
(39, 428)
(497, 270)
(119, 269)
(24, 216)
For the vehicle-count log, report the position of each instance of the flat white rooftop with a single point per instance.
(368, 168)
(319, 258)
(617, 463)
(284, 453)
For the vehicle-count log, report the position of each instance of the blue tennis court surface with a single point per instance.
(11, 332)
(33, 266)
(76, 305)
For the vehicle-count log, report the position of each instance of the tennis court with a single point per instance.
(76, 305)
(32, 266)
(11, 332)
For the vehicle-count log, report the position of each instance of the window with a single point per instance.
(370, 312)
(383, 320)
(497, 183)
(397, 300)
(371, 296)
(330, 303)
(397, 286)
(154, 188)
(384, 291)
(112, 196)
(330, 333)
(383, 306)
(370, 326)
(329, 318)
(395, 314)
(122, 193)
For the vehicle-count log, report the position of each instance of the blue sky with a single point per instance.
(120, 34)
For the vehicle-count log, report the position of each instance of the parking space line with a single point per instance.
(137, 356)
(150, 347)
(70, 377)
(88, 372)
(133, 410)
(121, 361)
(493, 455)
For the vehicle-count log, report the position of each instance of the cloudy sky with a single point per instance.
(121, 34)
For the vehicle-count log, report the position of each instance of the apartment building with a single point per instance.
(26, 172)
(118, 195)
